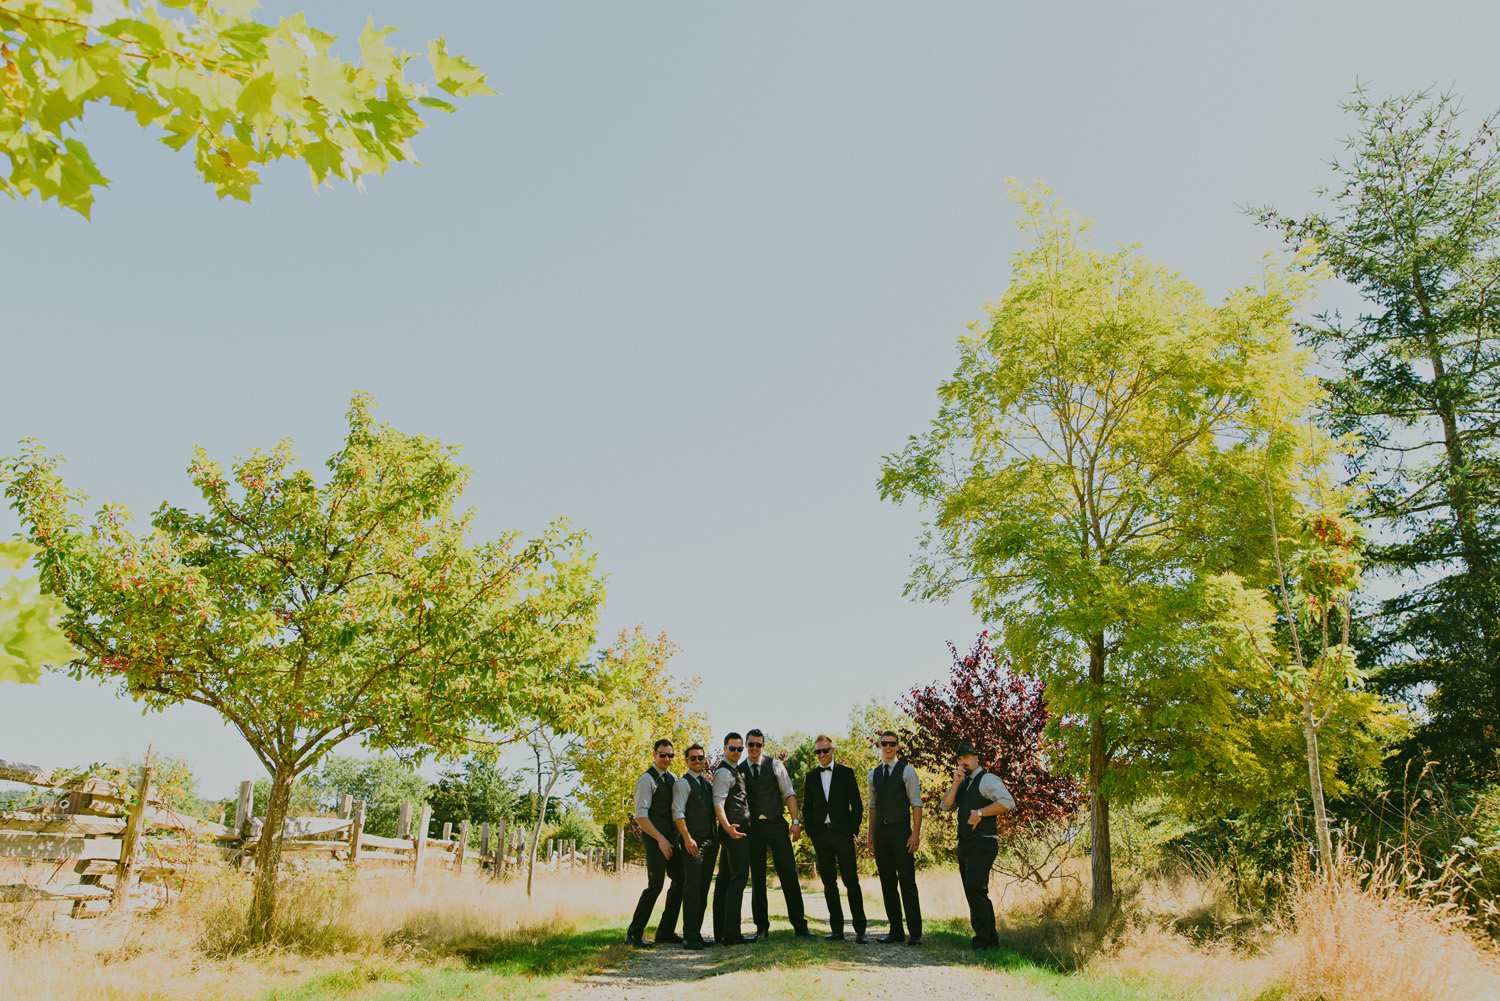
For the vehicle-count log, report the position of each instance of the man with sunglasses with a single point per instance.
(979, 796)
(770, 790)
(693, 813)
(732, 808)
(833, 811)
(895, 832)
(653, 814)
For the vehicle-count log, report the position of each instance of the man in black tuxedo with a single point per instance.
(693, 813)
(833, 810)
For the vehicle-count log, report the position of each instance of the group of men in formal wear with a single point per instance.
(747, 809)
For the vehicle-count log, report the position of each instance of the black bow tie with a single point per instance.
(823, 768)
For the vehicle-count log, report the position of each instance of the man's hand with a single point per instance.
(959, 774)
(690, 845)
(796, 830)
(975, 818)
(913, 842)
(870, 843)
(733, 830)
(666, 846)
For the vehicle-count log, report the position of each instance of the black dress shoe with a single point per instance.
(891, 939)
(914, 940)
(671, 938)
(834, 936)
(760, 933)
(742, 940)
(860, 938)
(804, 933)
(639, 943)
(694, 944)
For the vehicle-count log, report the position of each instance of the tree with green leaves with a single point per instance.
(1095, 459)
(645, 703)
(383, 781)
(478, 791)
(239, 92)
(1412, 224)
(309, 613)
(29, 636)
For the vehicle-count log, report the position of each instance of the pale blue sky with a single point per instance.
(685, 281)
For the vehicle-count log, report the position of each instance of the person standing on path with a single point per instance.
(770, 790)
(732, 809)
(979, 796)
(895, 832)
(833, 811)
(653, 812)
(693, 813)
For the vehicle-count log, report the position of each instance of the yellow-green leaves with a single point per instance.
(240, 92)
(29, 639)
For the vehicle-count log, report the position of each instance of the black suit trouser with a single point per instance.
(697, 874)
(836, 857)
(898, 878)
(658, 868)
(774, 834)
(975, 858)
(729, 887)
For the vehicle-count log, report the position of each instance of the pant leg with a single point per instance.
(759, 907)
(721, 891)
(667, 926)
(786, 873)
(906, 872)
(975, 859)
(825, 850)
(890, 846)
(656, 873)
(848, 863)
(696, 875)
(736, 853)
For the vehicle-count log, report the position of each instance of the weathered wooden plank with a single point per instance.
(463, 846)
(53, 848)
(16, 771)
(422, 844)
(242, 806)
(132, 838)
(395, 844)
(18, 892)
(303, 827)
(58, 823)
(357, 831)
(330, 847)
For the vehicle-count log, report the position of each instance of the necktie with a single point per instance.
(755, 771)
(887, 773)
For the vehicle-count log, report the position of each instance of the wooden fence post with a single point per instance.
(403, 822)
(498, 863)
(463, 847)
(420, 836)
(125, 869)
(242, 806)
(346, 806)
(356, 832)
(620, 849)
(448, 831)
(484, 839)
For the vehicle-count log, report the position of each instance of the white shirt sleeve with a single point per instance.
(722, 782)
(783, 780)
(680, 793)
(644, 789)
(992, 789)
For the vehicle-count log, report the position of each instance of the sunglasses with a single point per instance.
(736, 750)
(665, 754)
(888, 743)
(695, 757)
(756, 743)
(822, 751)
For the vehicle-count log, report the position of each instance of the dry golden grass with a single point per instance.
(195, 949)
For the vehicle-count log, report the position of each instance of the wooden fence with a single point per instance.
(101, 830)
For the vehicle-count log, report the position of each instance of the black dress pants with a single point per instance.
(975, 858)
(774, 834)
(836, 857)
(697, 874)
(898, 878)
(729, 887)
(658, 868)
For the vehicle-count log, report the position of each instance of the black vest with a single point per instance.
(968, 800)
(660, 811)
(737, 803)
(764, 791)
(698, 811)
(891, 805)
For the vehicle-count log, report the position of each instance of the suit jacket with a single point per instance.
(844, 809)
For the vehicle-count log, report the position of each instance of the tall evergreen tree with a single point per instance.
(1412, 224)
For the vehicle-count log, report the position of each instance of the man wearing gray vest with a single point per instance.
(895, 833)
(979, 796)
(770, 789)
(693, 813)
(653, 814)
(732, 808)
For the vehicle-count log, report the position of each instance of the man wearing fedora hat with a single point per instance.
(979, 796)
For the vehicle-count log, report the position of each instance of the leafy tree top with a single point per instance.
(29, 637)
(240, 92)
(310, 613)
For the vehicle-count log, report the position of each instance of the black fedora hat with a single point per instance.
(964, 747)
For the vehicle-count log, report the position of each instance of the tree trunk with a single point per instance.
(268, 855)
(1315, 787)
(1102, 867)
(541, 813)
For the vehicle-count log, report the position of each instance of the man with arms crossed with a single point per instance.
(978, 796)
(693, 813)
(770, 788)
(653, 812)
(895, 833)
(833, 811)
(732, 809)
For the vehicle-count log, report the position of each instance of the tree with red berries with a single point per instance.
(1004, 715)
(309, 613)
